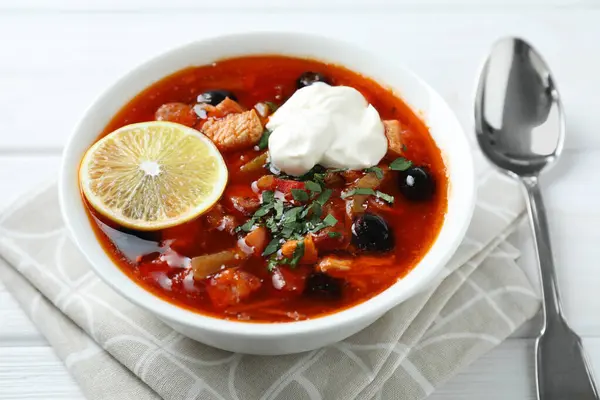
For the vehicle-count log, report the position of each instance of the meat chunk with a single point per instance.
(234, 131)
(231, 287)
(177, 112)
(393, 132)
(246, 205)
(329, 263)
(229, 106)
(218, 219)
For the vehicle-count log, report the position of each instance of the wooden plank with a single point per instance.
(57, 64)
(17, 329)
(269, 5)
(18, 175)
(504, 373)
(22, 173)
(507, 372)
(34, 373)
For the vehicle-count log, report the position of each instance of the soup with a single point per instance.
(287, 240)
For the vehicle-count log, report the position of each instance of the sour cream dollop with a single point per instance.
(333, 126)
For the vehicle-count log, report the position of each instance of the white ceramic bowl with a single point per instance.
(292, 337)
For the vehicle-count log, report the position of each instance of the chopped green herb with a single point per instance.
(404, 148)
(292, 213)
(272, 106)
(400, 164)
(323, 197)
(287, 222)
(299, 195)
(272, 247)
(278, 208)
(334, 235)
(316, 209)
(384, 196)
(337, 170)
(376, 170)
(317, 169)
(298, 253)
(272, 262)
(368, 192)
(263, 143)
(330, 220)
(246, 227)
(313, 186)
(264, 210)
(355, 191)
(268, 196)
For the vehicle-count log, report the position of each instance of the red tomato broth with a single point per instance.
(415, 225)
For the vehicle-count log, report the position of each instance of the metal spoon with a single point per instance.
(520, 128)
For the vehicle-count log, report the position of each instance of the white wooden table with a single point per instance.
(57, 56)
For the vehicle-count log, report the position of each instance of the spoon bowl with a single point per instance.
(520, 128)
(518, 115)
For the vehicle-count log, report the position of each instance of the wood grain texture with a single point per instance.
(504, 373)
(34, 373)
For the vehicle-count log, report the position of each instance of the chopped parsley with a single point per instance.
(290, 222)
(368, 192)
(400, 164)
(376, 170)
(300, 195)
(384, 196)
(298, 253)
(330, 220)
(323, 197)
(313, 186)
(272, 106)
(334, 235)
(271, 248)
(263, 143)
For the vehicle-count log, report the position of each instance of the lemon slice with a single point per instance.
(153, 175)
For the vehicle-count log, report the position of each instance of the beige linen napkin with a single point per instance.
(118, 351)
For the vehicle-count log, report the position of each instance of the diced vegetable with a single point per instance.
(310, 254)
(393, 132)
(266, 182)
(257, 240)
(368, 181)
(263, 109)
(256, 164)
(288, 280)
(208, 264)
(231, 287)
(286, 186)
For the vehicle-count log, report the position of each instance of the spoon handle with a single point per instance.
(563, 372)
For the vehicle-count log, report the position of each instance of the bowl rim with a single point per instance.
(361, 312)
